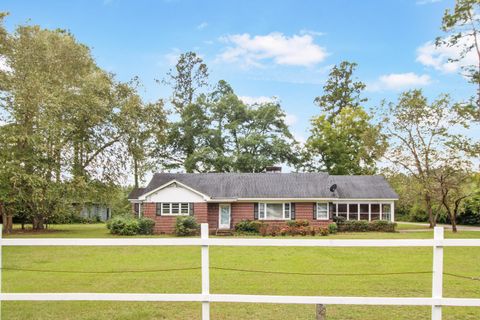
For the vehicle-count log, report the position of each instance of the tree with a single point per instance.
(143, 128)
(240, 137)
(188, 77)
(462, 26)
(341, 90)
(345, 144)
(454, 188)
(342, 138)
(421, 137)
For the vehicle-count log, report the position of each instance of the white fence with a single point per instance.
(205, 297)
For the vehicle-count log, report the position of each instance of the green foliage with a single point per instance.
(346, 144)
(145, 225)
(123, 225)
(343, 139)
(365, 226)
(324, 231)
(462, 31)
(298, 223)
(126, 225)
(341, 90)
(248, 226)
(186, 226)
(332, 228)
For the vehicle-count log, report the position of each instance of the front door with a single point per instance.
(224, 216)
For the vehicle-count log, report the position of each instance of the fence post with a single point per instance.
(437, 278)
(205, 273)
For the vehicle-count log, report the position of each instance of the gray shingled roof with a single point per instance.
(135, 193)
(276, 185)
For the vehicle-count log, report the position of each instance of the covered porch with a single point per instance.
(365, 210)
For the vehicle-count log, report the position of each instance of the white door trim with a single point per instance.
(224, 226)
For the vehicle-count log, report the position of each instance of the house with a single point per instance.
(223, 199)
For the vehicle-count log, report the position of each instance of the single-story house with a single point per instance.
(223, 199)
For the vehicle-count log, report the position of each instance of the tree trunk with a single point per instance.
(454, 225)
(38, 223)
(135, 172)
(428, 204)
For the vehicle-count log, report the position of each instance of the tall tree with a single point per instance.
(462, 28)
(343, 139)
(341, 90)
(187, 78)
(421, 136)
(346, 144)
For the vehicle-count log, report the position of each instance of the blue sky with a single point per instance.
(263, 48)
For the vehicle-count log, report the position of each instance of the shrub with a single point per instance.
(339, 219)
(186, 226)
(323, 231)
(145, 226)
(332, 228)
(125, 226)
(382, 226)
(298, 223)
(312, 231)
(263, 229)
(365, 226)
(274, 231)
(248, 226)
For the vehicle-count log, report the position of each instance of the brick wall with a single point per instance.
(213, 216)
(208, 213)
(163, 224)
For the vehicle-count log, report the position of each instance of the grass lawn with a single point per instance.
(341, 260)
(410, 226)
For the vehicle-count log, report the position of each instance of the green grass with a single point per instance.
(410, 226)
(341, 260)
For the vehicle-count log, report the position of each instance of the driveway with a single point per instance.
(446, 226)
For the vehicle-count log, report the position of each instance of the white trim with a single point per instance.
(328, 211)
(144, 196)
(339, 200)
(265, 203)
(170, 209)
(220, 215)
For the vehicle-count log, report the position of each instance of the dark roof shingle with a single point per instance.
(276, 185)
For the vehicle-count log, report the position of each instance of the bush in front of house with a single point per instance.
(332, 228)
(248, 227)
(145, 225)
(298, 223)
(123, 225)
(126, 225)
(365, 226)
(186, 226)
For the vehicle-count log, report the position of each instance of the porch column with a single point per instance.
(392, 212)
(336, 209)
(381, 211)
(358, 211)
(348, 211)
(369, 212)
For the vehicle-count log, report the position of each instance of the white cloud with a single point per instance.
(257, 100)
(172, 57)
(312, 32)
(398, 81)
(4, 65)
(422, 2)
(297, 50)
(438, 57)
(290, 119)
(202, 25)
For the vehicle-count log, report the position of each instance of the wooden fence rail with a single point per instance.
(436, 301)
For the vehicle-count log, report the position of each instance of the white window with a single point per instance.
(322, 211)
(173, 209)
(274, 211)
(386, 211)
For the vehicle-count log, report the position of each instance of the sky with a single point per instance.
(264, 49)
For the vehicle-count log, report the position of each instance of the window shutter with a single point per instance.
(292, 211)
(315, 208)
(255, 211)
(158, 208)
(191, 208)
(330, 210)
